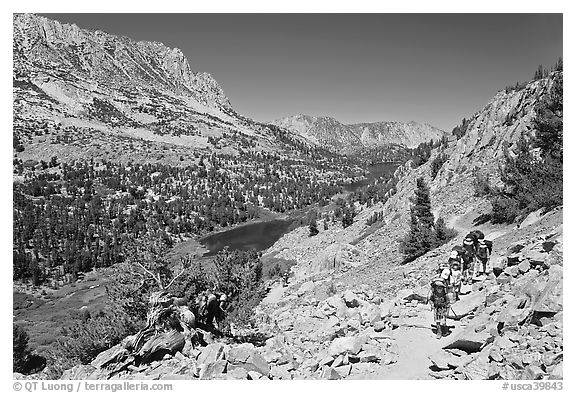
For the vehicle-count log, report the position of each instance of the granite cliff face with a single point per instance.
(49, 50)
(351, 138)
(99, 91)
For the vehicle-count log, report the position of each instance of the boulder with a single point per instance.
(469, 340)
(536, 257)
(467, 304)
(494, 371)
(339, 361)
(503, 279)
(548, 245)
(533, 372)
(532, 218)
(556, 372)
(254, 375)
(369, 356)
(440, 360)
(554, 257)
(354, 324)
(351, 299)
(110, 355)
(213, 370)
(337, 303)
(479, 367)
(389, 358)
(211, 353)
(342, 345)
(343, 371)
(272, 356)
(329, 373)
(371, 314)
(385, 308)
(308, 286)
(511, 271)
(326, 361)
(246, 357)
(495, 354)
(514, 259)
(550, 299)
(516, 248)
(281, 372)
(524, 266)
(82, 371)
(237, 373)
(379, 326)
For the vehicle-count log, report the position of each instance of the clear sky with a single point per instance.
(430, 68)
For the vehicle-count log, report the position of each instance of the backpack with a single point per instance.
(469, 247)
(479, 234)
(472, 236)
(483, 250)
(439, 290)
(451, 263)
(460, 250)
(489, 245)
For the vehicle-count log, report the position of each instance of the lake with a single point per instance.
(255, 236)
(261, 235)
(374, 172)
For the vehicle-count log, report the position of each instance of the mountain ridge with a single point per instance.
(351, 138)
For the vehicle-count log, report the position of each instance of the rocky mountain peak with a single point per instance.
(42, 45)
(351, 138)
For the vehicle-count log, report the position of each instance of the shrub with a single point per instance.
(460, 129)
(481, 183)
(437, 163)
(533, 177)
(504, 209)
(239, 275)
(443, 233)
(23, 360)
(313, 227)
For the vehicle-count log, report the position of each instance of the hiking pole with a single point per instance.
(454, 312)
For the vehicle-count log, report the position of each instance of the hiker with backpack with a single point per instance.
(212, 307)
(483, 253)
(455, 280)
(440, 302)
(468, 259)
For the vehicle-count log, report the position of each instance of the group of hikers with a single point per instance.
(465, 261)
(211, 308)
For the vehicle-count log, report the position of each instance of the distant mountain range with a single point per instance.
(349, 138)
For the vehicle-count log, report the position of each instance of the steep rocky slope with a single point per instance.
(504, 327)
(98, 90)
(352, 138)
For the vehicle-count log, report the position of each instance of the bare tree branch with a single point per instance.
(157, 279)
(175, 277)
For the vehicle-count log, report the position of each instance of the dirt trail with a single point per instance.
(274, 295)
(414, 344)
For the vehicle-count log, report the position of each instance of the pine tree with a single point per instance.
(313, 227)
(21, 352)
(421, 237)
(422, 205)
(442, 232)
(539, 74)
(548, 121)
